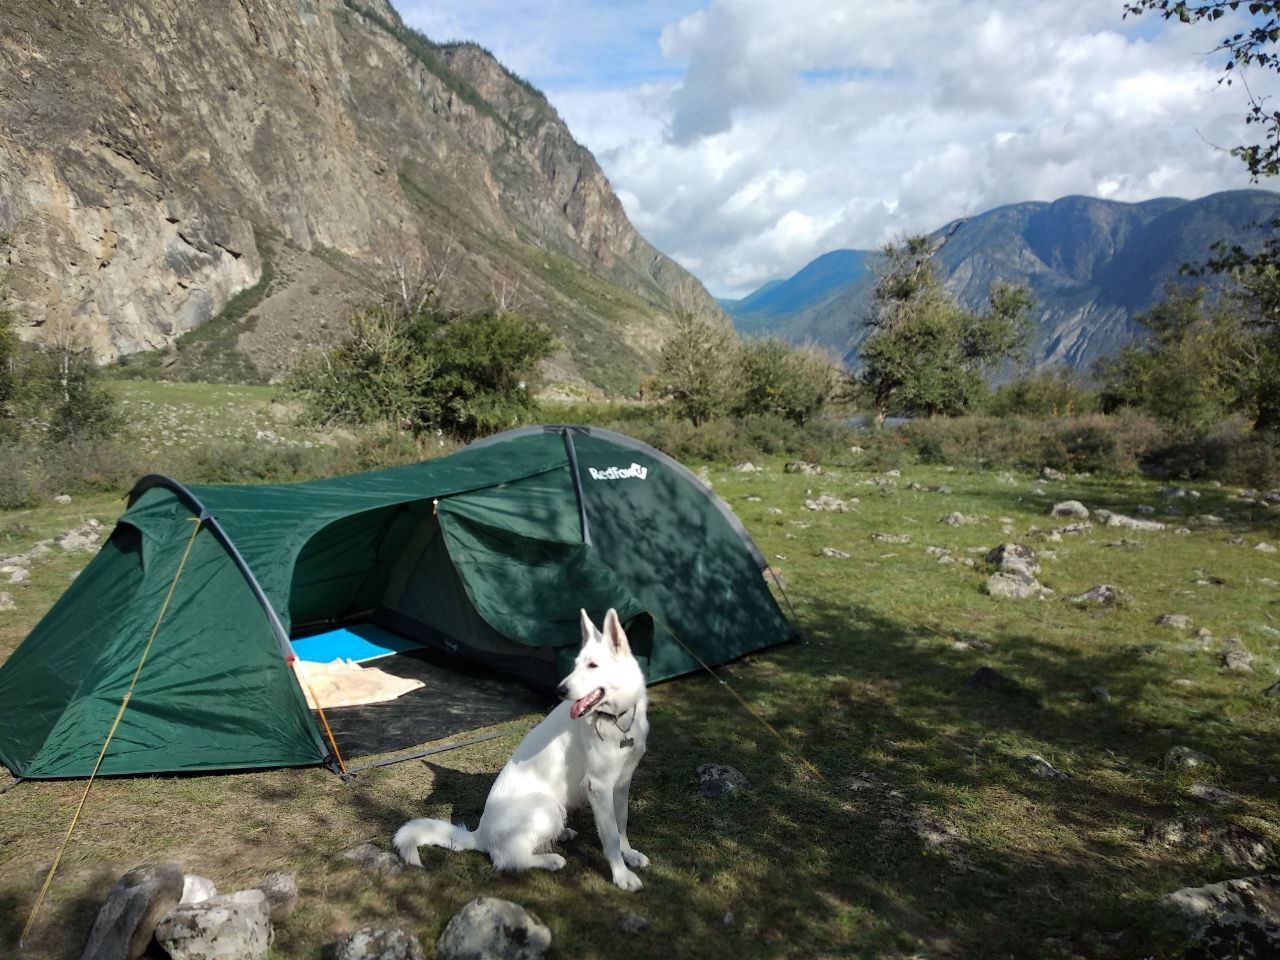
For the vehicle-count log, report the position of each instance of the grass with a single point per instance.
(927, 836)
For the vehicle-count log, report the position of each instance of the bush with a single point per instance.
(19, 483)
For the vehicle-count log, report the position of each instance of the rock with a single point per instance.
(1179, 621)
(773, 511)
(491, 929)
(857, 451)
(281, 891)
(1238, 659)
(1207, 520)
(752, 499)
(632, 923)
(1171, 491)
(236, 926)
(19, 575)
(83, 537)
(891, 538)
(956, 519)
(718, 780)
(1182, 532)
(1013, 586)
(62, 498)
(834, 554)
(1212, 795)
(1049, 473)
(1264, 547)
(1235, 919)
(374, 859)
(1237, 845)
(1103, 595)
(132, 909)
(1014, 558)
(1144, 508)
(893, 473)
(1184, 758)
(1101, 694)
(800, 466)
(704, 477)
(744, 467)
(828, 504)
(1273, 690)
(1070, 508)
(6, 601)
(196, 889)
(378, 943)
(1129, 523)
(1042, 768)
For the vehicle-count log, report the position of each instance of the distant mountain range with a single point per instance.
(1091, 266)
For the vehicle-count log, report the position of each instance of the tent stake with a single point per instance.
(426, 753)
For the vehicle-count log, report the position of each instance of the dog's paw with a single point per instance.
(552, 861)
(567, 834)
(626, 879)
(635, 859)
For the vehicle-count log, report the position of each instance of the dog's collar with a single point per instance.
(622, 721)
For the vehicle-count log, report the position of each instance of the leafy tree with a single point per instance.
(8, 369)
(465, 374)
(927, 354)
(698, 366)
(794, 383)
(1198, 364)
(1252, 47)
(1051, 393)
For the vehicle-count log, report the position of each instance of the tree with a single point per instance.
(1252, 47)
(794, 383)
(698, 366)
(9, 345)
(927, 354)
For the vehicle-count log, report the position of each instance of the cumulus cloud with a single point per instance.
(746, 137)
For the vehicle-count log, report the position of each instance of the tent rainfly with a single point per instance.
(486, 554)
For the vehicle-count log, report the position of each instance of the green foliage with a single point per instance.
(699, 368)
(465, 375)
(1051, 393)
(784, 381)
(9, 347)
(60, 395)
(927, 354)
(1253, 47)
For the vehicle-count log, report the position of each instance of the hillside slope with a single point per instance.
(1090, 265)
(158, 157)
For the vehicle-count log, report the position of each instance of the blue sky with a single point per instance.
(746, 137)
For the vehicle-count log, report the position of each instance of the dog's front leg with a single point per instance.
(602, 805)
(621, 799)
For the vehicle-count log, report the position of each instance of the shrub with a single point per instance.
(794, 383)
(19, 484)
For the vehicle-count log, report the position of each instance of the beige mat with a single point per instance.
(343, 683)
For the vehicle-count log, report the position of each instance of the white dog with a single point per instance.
(587, 748)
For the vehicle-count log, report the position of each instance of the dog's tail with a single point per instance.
(437, 833)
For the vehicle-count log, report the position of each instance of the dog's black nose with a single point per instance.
(562, 691)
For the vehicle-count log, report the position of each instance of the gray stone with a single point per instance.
(1176, 758)
(1237, 845)
(891, 537)
(1129, 523)
(1014, 558)
(800, 466)
(1070, 508)
(6, 601)
(834, 554)
(235, 926)
(196, 889)
(1013, 586)
(828, 504)
(719, 780)
(374, 859)
(957, 519)
(1239, 660)
(1273, 690)
(1101, 694)
(1042, 768)
(1049, 473)
(1214, 796)
(1103, 595)
(633, 923)
(1145, 508)
(378, 943)
(1238, 919)
(19, 575)
(491, 929)
(133, 907)
(1179, 621)
(281, 890)
(62, 498)
(744, 467)
(1264, 548)
(774, 511)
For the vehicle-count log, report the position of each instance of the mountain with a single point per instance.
(1091, 265)
(246, 171)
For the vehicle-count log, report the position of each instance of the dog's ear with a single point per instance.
(616, 636)
(589, 631)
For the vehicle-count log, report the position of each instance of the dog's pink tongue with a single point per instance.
(586, 703)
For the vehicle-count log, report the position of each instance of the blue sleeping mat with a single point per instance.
(358, 642)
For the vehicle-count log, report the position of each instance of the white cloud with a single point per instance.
(746, 137)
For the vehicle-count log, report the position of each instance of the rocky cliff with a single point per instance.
(256, 167)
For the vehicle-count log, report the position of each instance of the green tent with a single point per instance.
(486, 554)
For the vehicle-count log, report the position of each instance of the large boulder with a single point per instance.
(491, 929)
(1014, 558)
(236, 926)
(132, 909)
(378, 943)
(1241, 916)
